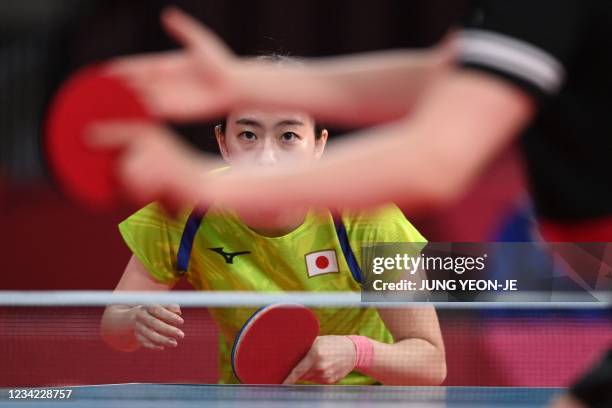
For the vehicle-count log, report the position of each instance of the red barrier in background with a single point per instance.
(62, 346)
(46, 347)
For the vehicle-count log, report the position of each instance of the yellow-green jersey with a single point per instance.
(217, 251)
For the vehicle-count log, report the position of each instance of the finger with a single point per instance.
(192, 34)
(163, 328)
(315, 374)
(202, 42)
(319, 377)
(160, 327)
(300, 370)
(310, 375)
(166, 84)
(174, 308)
(141, 179)
(328, 377)
(115, 134)
(165, 314)
(137, 185)
(146, 343)
(153, 336)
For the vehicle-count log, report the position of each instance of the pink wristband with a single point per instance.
(364, 352)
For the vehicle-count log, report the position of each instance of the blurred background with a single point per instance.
(47, 242)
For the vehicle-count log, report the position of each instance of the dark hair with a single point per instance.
(279, 59)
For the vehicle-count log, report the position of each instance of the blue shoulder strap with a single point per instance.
(195, 219)
(347, 250)
(191, 228)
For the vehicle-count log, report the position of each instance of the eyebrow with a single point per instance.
(289, 122)
(253, 122)
(248, 122)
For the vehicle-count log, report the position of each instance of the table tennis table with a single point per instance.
(192, 395)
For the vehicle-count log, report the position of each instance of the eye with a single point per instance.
(247, 136)
(289, 137)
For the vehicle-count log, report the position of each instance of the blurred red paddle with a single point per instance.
(272, 342)
(89, 96)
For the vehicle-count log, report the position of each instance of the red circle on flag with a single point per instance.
(322, 262)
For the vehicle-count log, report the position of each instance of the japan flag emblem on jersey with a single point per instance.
(321, 262)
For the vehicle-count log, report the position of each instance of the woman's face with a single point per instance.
(269, 139)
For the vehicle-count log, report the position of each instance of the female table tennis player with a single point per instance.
(232, 252)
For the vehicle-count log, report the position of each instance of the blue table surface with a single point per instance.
(192, 395)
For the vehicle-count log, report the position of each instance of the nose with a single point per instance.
(267, 156)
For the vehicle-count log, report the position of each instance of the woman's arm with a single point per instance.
(126, 328)
(356, 90)
(417, 357)
(461, 123)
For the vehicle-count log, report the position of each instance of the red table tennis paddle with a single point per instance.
(86, 174)
(272, 342)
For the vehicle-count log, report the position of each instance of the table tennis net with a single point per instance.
(45, 344)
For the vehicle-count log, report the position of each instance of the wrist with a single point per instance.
(117, 328)
(364, 352)
(262, 83)
(241, 83)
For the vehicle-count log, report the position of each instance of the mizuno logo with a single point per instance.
(228, 256)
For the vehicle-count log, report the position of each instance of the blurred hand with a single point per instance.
(328, 361)
(156, 326)
(193, 83)
(153, 163)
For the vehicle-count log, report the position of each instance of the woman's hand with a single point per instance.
(156, 326)
(195, 82)
(154, 164)
(328, 361)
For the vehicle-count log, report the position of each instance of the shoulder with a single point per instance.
(154, 217)
(385, 224)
